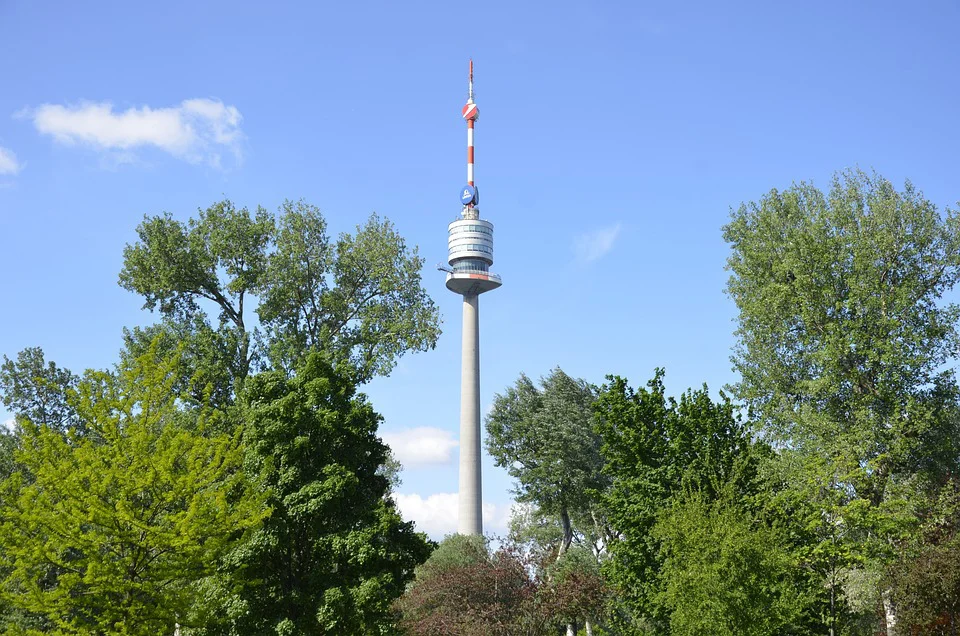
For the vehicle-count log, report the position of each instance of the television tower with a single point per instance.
(470, 254)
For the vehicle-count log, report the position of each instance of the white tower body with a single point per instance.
(470, 255)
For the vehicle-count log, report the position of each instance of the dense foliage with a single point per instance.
(226, 478)
(466, 588)
(113, 531)
(844, 345)
(335, 552)
(656, 448)
(359, 298)
(544, 437)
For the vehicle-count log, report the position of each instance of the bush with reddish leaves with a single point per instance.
(465, 590)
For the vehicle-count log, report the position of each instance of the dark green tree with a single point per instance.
(335, 553)
(654, 447)
(545, 439)
(37, 390)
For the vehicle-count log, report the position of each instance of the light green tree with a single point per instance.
(110, 533)
(724, 571)
(843, 340)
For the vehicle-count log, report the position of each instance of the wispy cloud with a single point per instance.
(8, 161)
(593, 245)
(10, 424)
(197, 130)
(421, 446)
(437, 514)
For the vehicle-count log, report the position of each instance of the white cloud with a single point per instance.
(8, 161)
(437, 514)
(421, 446)
(10, 424)
(198, 130)
(593, 245)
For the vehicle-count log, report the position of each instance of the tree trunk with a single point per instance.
(833, 601)
(889, 613)
(564, 546)
(587, 625)
(567, 532)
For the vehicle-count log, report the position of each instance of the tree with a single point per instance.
(574, 590)
(724, 571)
(37, 390)
(220, 257)
(210, 359)
(653, 448)
(335, 553)
(925, 579)
(843, 339)
(544, 437)
(359, 298)
(110, 533)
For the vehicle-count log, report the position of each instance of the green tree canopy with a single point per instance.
(220, 257)
(842, 334)
(335, 553)
(844, 340)
(545, 439)
(655, 446)
(724, 571)
(37, 390)
(110, 533)
(210, 358)
(359, 297)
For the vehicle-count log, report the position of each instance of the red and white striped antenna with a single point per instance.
(471, 113)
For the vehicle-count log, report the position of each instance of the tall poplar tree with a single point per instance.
(358, 297)
(844, 337)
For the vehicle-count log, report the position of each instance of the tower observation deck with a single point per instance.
(470, 255)
(469, 238)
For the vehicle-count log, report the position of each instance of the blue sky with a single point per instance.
(613, 140)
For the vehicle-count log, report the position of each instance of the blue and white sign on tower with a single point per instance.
(468, 195)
